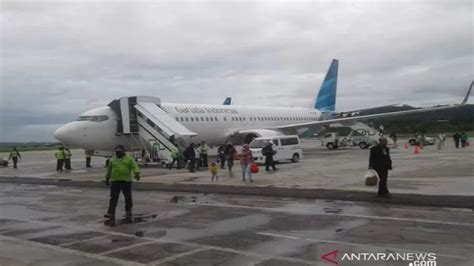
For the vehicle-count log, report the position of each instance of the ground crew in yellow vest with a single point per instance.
(14, 155)
(175, 158)
(67, 158)
(203, 150)
(119, 178)
(59, 154)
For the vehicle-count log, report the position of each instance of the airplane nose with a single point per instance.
(65, 133)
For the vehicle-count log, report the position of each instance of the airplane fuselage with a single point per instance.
(96, 129)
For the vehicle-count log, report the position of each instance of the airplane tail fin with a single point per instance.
(228, 101)
(326, 99)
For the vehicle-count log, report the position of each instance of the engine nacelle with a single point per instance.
(246, 136)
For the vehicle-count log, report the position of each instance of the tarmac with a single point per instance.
(51, 225)
(293, 216)
(434, 177)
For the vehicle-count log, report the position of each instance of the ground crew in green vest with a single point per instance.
(175, 158)
(14, 155)
(67, 159)
(59, 154)
(119, 178)
(203, 150)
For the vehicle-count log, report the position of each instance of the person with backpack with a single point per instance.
(269, 152)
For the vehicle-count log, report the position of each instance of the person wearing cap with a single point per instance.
(119, 178)
(269, 152)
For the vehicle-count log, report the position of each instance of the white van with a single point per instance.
(287, 148)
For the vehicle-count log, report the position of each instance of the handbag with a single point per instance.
(254, 168)
(371, 178)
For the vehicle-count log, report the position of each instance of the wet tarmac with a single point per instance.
(50, 225)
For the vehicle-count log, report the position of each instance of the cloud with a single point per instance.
(59, 59)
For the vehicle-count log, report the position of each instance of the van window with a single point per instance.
(275, 141)
(289, 141)
(328, 135)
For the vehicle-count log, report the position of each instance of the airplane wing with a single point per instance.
(317, 125)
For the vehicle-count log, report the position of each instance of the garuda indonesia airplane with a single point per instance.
(142, 120)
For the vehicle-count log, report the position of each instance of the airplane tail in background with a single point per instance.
(228, 101)
(326, 99)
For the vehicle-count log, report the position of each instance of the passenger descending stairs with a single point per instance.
(158, 132)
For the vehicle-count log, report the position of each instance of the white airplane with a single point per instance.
(132, 121)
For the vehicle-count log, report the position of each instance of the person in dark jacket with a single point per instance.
(221, 155)
(456, 138)
(229, 153)
(269, 152)
(190, 156)
(381, 162)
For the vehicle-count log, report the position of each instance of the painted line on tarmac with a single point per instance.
(127, 247)
(70, 251)
(82, 241)
(373, 217)
(177, 256)
(354, 244)
(155, 240)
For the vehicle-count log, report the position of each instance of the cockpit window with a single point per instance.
(95, 118)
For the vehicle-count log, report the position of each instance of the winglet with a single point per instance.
(468, 93)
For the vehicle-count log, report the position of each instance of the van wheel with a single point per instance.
(330, 146)
(296, 158)
(412, 142)
(363, 145)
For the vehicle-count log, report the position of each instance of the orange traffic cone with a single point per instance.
(417, 150)
(406, 146)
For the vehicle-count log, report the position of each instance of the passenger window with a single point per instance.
(215, 119)
(187, 119)
(192, 119)
(207, 119)
(177, 119)
(290, 141)
(182, 119)
(225, 119)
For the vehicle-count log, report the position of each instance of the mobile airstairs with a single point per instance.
(148, 130)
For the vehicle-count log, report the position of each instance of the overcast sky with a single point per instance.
(59, 59)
